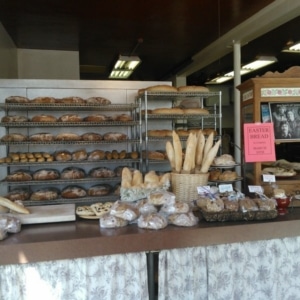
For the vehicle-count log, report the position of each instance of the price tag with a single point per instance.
(203, 189)
(255, 189)
(269, 178)
(225, 188)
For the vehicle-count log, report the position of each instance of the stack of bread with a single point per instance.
(200, 153)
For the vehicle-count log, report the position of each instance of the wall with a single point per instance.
(8, 55)
(48, 64)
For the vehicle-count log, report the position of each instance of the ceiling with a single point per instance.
(164, 34)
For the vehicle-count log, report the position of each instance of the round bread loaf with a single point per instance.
(214, 174)
(21, 194)
(114, 136)
(98, 100)
(45, 174)
(14, 137)
(102, 172)
(95, 118)
(96, 155)
(16, 99)
(68, 136)
(224, 160)
(45, 194)
(79, 155)
(72, 173)
(228, 176)
(195, 111)
(170, 111)
(192, 88)
(73, 192)
(91, 136)
(14, 118)
(43, 100)
(44, 118)
(70, 118)
(63, 155)
(99, 190)
(122, 118)
(161, 88)
(19, 175)
(41, 137)
(71, 100)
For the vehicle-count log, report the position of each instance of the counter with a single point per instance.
(84, 238)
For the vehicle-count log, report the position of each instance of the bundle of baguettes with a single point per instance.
(199, 153)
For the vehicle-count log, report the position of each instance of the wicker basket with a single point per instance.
(184, 186)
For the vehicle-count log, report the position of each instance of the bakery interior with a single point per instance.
(63, 50)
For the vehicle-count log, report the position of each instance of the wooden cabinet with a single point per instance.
(258, 94)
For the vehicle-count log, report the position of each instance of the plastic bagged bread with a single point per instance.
(175, 208)
(124, 210)
(183, 219)
(152, 221)
(109, 221)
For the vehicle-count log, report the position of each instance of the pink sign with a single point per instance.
(259, 142)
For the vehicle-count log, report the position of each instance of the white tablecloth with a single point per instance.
(260, 270)
(105, 277)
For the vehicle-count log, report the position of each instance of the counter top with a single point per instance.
(84, 238)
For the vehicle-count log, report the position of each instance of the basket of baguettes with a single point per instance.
(190, 168)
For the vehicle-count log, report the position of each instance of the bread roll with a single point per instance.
(45, 194)
(63, 155)
(73, 192)
(44, 118)
(79, 155)
(96, 155)
(14, 118)
(134, 155)
(70, 118)
(72, 173)
(122, 154)
(68, 136)
(16, 99)
(91, 136)
(45, 174)
(99, 190)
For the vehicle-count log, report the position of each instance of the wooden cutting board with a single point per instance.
(49, 214)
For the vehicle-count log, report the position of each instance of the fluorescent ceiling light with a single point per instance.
(260, 62)
(124, 67)
(295, 48)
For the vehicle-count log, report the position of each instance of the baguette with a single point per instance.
(177, 151)
(210, 156)
(170, 154)
(199, 148)
(189, 161)
(208, 144)
(13, 206)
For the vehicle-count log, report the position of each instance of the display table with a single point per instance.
(214, 251)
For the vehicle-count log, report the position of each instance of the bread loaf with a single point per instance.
(96, 155)
(224, 160)
(99, 190)
(137, 178)
(73, 192)
(199, 148)
(14, 118)
(195, 111)
(72, 173)
(171, 111)
(161, 88)
(96, 118)
(21, 194)
(68, 136)
(14, 206)
(43, 100)
(91, 136)
(101, 172)
(155, 155)
(41, 137)
(16, 99)
(98, 100)
(192, 88)
(45, 194)
(45, 174)
(190, 152)
(122, 118)
(177, 151)
(114, 136)
(228, 176)
(44, 118)
(14, 137)
(70, 118)
(63, 155)
(19, 175)
(160, 133)
(79, 155)
(126, 178)
(71, 100)
(170, 154)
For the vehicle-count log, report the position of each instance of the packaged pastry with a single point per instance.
(266, 204)
(152, 221)
(231, 205)
(247, 204)
(124, 210)
(183, 219)
(215, 205)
